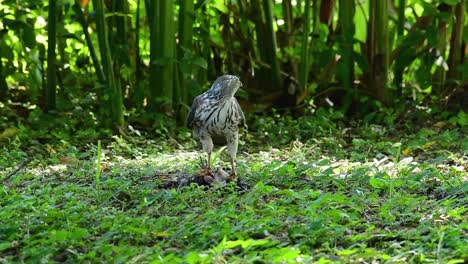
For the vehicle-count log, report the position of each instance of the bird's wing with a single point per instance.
(241, 114)
(191, 115)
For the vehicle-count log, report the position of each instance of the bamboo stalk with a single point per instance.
(271, 37)
(139, 92)
(346, 66)
(401, 17)
(3, 84)
(205, 50)
(120, 21)
(153, 13)
(440, 73)
(378, 49)
(266, 44)
(89, 43)
(138, 72)
(304, 66)
(115, 92)
(186, 20)
(162, 56)
(346, 13)
(50, 98)
(149, 11)
(456, 42)
(327, 8)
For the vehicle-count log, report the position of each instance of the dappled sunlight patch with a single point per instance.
(162, 161)
(247, 250)
(49, 170)
(326, 199)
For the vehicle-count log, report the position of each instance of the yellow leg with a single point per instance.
(233, 170)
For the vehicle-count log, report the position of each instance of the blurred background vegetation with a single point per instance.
(111, 63)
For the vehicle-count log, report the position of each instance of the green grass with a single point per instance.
(317, 194)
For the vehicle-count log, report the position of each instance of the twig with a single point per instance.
(305, 179)
(20, 166)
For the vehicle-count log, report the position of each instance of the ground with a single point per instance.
(317, 191)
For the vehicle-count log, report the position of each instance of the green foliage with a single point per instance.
(284, 55)
(321, 192)
(98, 165)
(461, 119)
(323, 185)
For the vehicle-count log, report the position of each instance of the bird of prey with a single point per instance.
(216, 115)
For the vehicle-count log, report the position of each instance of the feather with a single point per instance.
(191, 115)
(241, 115)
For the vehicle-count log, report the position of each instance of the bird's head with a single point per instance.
(226, 86)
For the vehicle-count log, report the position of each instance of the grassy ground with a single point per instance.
(318, 193)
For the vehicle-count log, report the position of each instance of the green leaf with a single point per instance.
(233, 244)
(361, 23)
(193, 257)
(29, 36)
(58, 235)
(199, 61)
(348, 252)
(13, 23)
(4, 246)
(219, 4)
(78, 233)
(462, 118)
(451, 2)
(378, 183)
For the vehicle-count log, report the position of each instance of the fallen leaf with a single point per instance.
(8, 133)
(406, 151)
(440, 124)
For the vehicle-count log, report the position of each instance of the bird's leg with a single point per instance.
(208, 161)
(207, 144)
(232, 141)
(233, 175)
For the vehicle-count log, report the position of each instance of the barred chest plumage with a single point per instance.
(218, 116)
(215, 118)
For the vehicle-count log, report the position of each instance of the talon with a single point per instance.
(233, 176)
